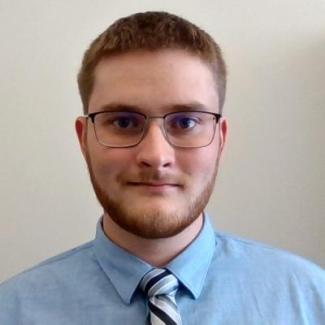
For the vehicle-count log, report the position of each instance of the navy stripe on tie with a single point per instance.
(154, 280)
(161, 314)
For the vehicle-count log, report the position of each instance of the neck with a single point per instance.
(156, 252)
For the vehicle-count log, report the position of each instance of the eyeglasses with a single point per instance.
(123, 129)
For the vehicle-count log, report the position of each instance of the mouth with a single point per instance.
(155, 186)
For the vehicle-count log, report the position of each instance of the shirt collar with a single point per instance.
(125, 270)
(192, 265)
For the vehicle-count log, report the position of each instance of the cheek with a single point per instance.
(201, 163)
(107, 164)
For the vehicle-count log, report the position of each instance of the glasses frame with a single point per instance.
(92, 117)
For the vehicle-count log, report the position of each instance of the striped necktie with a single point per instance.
(161, 286)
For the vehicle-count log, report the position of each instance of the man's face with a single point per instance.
(152, 190)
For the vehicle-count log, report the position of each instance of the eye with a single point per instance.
(126, 122)
(186, 123)
(183, 122)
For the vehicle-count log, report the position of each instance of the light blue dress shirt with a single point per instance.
(224, 280)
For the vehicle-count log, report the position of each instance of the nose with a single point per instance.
(154, 151)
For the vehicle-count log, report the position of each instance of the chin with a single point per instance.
(152, 222)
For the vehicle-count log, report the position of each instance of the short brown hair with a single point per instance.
(151, 31)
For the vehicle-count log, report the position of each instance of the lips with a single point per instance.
(154, 188)
(153, 184)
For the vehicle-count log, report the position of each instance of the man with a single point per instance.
(153, 88)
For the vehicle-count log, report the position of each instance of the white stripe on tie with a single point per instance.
(161, 286)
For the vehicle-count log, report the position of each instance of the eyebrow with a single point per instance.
(119, 107)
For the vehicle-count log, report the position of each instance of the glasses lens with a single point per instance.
(190, 129)
(119, 129)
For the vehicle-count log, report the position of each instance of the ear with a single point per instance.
(81, 130)
(223, 132)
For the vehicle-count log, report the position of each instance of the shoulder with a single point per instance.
(47, 284)
(235, 249)
(291, 284)
(275, 270)
(48, 273)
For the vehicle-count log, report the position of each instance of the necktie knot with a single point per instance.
(159, 282)
(161, 286)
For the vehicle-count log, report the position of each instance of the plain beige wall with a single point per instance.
(271, 183)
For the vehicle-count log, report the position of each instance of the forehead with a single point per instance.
(153, 81)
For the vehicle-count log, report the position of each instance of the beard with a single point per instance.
(147, 221)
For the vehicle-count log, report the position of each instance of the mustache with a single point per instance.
(153, 176)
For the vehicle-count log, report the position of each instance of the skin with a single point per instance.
(153, 194)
